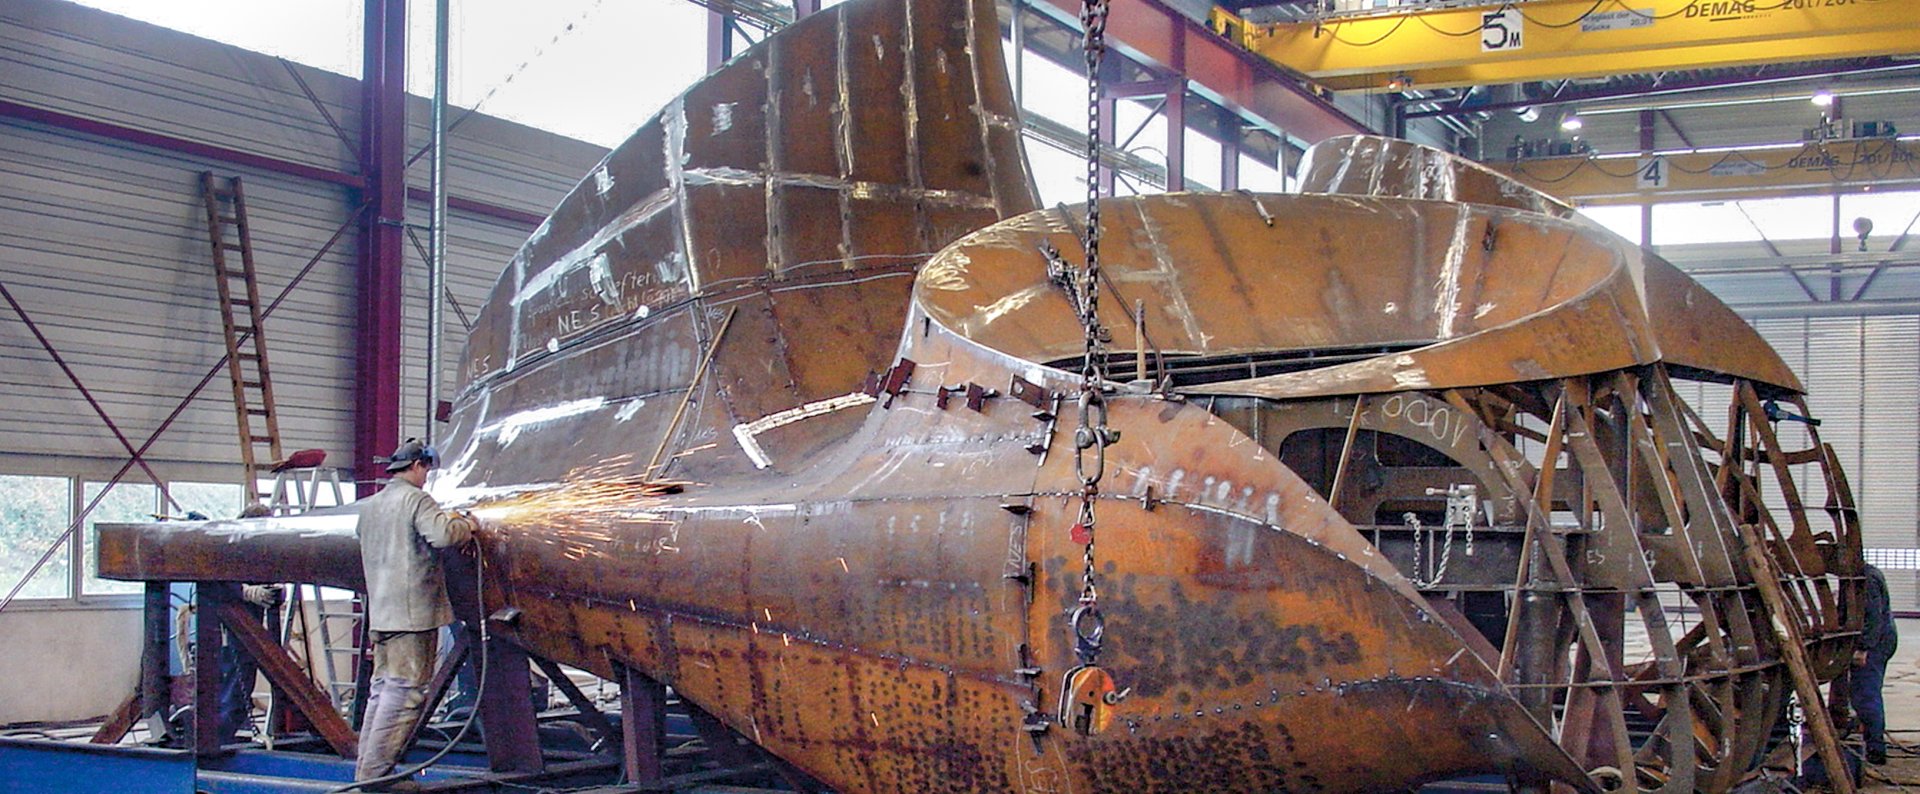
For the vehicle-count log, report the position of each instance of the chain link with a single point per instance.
(1092, 434)
(1461, 509)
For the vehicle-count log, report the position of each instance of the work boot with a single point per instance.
(1877, 756)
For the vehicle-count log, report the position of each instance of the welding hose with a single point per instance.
(480, 590)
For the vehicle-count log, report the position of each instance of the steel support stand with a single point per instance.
(506, 711)
(643, 719)
(512, 727)
(207, 598)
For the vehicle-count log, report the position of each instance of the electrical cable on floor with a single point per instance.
(480, 591)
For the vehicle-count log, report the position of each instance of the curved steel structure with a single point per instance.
(1413, 479)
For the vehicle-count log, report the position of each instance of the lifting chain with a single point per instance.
(1091, 437)
(1796, 732)
(1087, 692)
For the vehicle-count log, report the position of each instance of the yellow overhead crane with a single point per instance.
(1806, 169)
(1511, 42)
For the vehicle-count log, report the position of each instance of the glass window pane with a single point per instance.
(1202, 159)
(1623, 220)
(126, 502)
(1260, 177)
(1689, 223)
(34, 511)
(1891, 215)
(1055, 92)
(1060, 176)
(215, 500)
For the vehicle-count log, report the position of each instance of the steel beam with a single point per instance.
(207, 598)
(1808, 169)
(383, 140)
(590, 716)
(156, 686)
(643, 718)
(290, 682)
(512, 730)
(719, 39)
(1563, 39)
(1574, 95)
(1154, 34)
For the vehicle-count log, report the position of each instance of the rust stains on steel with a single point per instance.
(1535, 564)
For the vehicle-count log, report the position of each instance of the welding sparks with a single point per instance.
(843, 564)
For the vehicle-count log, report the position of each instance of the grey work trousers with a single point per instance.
(402, 670)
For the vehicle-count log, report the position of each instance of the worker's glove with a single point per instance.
(472, 526)
(1859, 658)
(266, 595)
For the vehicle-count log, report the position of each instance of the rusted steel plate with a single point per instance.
(310, 548)
(1693, 328)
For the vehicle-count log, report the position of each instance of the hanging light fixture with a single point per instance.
(1823, 98)
(1571, 122)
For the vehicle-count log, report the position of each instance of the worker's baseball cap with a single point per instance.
(408, 453)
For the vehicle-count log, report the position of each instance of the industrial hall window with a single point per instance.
(125, 502)
(35, 510)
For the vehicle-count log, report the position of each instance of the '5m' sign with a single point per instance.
(1500, 30)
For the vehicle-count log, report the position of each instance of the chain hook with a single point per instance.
(1089, 632)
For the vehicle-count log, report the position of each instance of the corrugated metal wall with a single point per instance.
(104, 243)
(1863, 382)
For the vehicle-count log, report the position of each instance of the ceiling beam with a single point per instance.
(1673, 86)
(1220, 71)
(1812, 168)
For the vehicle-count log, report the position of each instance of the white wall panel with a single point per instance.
(1863, 382)
(105, 245)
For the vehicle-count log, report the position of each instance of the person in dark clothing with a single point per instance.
(238, 670)
(1870, 656)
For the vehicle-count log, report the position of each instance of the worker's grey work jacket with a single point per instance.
(399, 528)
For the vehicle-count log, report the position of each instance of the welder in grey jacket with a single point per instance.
(400, 529)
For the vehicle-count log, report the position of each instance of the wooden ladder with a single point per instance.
(240, 310)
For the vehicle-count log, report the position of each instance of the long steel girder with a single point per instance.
(1164, 39)
(1814, 168)
(1565, 39)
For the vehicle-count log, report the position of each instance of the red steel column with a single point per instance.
(1230, 140)
(383, 141)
